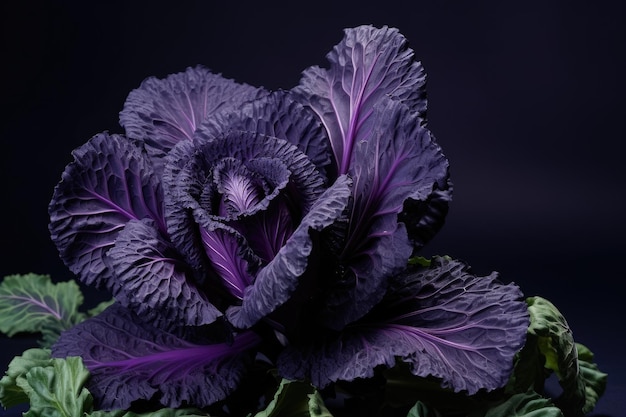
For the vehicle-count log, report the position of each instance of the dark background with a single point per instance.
(527, 99)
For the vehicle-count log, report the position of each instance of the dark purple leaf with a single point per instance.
(278, 115)
(229, 255)
(442, 320)
(396, 162)
(366, 66)
(130, 361)
(162, 112)
(109, 183)
(154, 282)
(276, 282)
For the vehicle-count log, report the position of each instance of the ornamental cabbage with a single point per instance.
(234, 225)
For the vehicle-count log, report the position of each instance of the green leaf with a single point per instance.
(595, 380)
(100, 308)
(14, 389)
(54, 387)
(422, 410)
(529, 371)
(29, 303)
(295, 399)
(528, 404)
(58, 390)
(556, 343)
(419, 260)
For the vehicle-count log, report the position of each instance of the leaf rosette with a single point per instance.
(232, 223)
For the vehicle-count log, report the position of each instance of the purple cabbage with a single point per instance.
(229, 221)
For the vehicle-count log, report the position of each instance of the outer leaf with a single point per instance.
(109, 183)
(529, 372)
(131, 361)
(100, 308)
(443, 321)
(556, 344)
(528, 404)
(398, 161)
(367, 65)
(28, 301)
(152, 280)
(402, 389)
(58, 390)
(422, 410)
(295, 399)
(14, 388)
(51, 329)
(595, 380)
(163, 112)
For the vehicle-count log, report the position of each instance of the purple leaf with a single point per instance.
(367, 65)
(270, 222)
(130, 361)
(278, 115)
(109, 183)
(229, 255)
(276, 282)
(162, 112)
(396, 162)
(442, 320)
(154, 282)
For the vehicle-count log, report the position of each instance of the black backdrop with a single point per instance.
(527, 101)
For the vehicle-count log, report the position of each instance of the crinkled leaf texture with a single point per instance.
(582, 385)
(109, 183)
(595, 380)
(397, 162)
(371, 101)
(528, 404)
(257, 250)
(58, 390)
(129, 361)
(152, 280)
(14, 388)
(163, 112)
(367, 65)
(442, 320)
(295, 399)
(28, 302)
(277, 115)
(191, 184)
(55, 387)
(278, 280)
(107, 221)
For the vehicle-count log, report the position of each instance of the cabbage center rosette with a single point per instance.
(254, 202)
